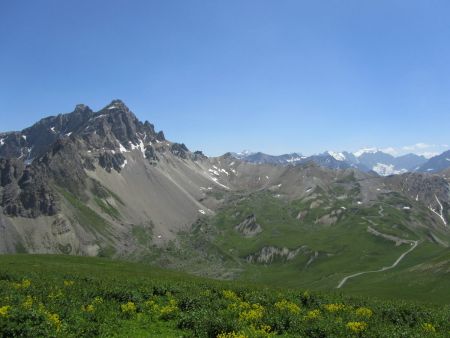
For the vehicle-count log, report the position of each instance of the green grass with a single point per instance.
(142, 234)
(67, 296)
(86, 216)
(343, 248)
(107, 208)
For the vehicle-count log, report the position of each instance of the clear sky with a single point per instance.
(276, 76)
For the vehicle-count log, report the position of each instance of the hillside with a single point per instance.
(63, 296)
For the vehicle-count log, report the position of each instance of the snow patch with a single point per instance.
(122, 149)
(218, 183)
(125, 162)
(24, 137)
(387, 169)
(141, 146)
(441, 212)
(215, 172)
(295, 159)
(52, 129)
(337, 156)
(365, 151)
(202, 211)
(2, 141)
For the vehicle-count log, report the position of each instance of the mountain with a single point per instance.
(437, 163)
(367, 160)
(64, 181)
(261, 158)
(106, 184)
(386, 164)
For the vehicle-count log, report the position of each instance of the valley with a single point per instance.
(105, 184)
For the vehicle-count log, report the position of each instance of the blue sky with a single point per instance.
(275, 76)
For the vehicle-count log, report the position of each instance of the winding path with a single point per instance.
(413, 246)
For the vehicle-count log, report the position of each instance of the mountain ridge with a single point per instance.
(370, 159)
(106, 184)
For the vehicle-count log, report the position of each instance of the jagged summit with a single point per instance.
(116, 104)
(64, 149)
(112, 127)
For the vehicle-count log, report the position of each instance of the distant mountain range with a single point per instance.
(366, 160)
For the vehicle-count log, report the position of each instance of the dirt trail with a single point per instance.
(413, 246)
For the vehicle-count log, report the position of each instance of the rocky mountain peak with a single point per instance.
(117, 105)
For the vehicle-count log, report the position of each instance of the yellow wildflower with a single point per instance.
(69, 283)
(4, 310)
(88, 308)
(230, 295)
(231, 335)
(151, 305)
(313, 314)
(265, 328)
(356, 327)
(25, 284)
(364, 312)
(255, 313)
(54, 319)
(169, 309)
(334, 307)
(98, 300)
(28, 302)
(288, 306)
(56, 294)
(428, 327)
(129, 307)
(306, 295)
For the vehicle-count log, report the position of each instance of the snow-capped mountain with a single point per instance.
(368, 159)
(436, 163)
(262, 158)
(385, 164)
(242, 154)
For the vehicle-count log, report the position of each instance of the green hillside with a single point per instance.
(65, 296)
(321, 252)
